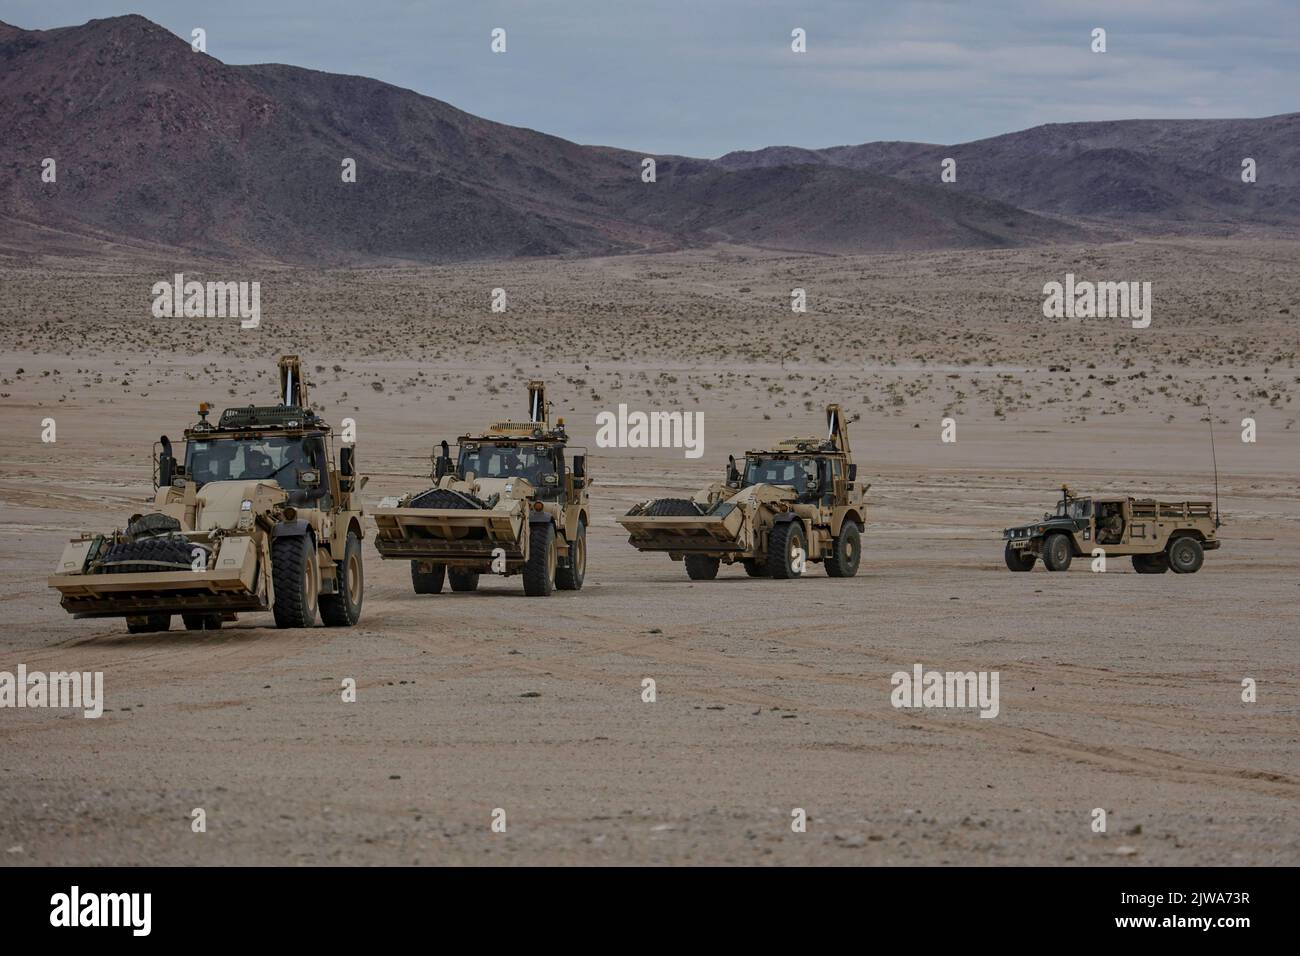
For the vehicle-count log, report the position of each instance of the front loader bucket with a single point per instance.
(709, 533)
(232, 585)
(448, 534)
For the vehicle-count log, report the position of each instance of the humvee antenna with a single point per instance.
(1215, 459)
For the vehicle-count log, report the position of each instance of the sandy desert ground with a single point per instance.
(1117, 690)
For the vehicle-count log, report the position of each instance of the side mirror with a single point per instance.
(853, 472)
(733, 473)
(347, 461)
(579, 466)
(166, 464)
(442, 464)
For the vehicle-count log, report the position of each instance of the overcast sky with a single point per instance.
(702, 78)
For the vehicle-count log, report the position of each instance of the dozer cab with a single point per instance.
(1160, 535)
(779, 510)
(512, 500)
(252, 515)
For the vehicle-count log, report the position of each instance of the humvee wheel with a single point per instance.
(461, 579)
(427, 582)
(1186, 555)
(296, 579)
(786, 539)
(754, 567)
(1150, 563)
(570, 576)
(202, 622)
(701, 567)
(539, 569)
(1020, 559)
(343, 608)
(1057, 552)
(846, 552)
(151, 623)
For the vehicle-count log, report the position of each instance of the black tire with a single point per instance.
(461, 579)
(427, 582)
(202, 622)
(754, 567)
(343, 608)
(1185, 555)
(1057, 552)
(445, 498)
(539, 569)
(781, 544)
(151, 623)
(293, 573)
(152, 524)
(701, 567)
(570, 575)
(1019, 559)
(167, 553)
(846, 552)
(1150, 563)
(670, 508)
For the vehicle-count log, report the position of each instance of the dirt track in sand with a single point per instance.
(1117, 690)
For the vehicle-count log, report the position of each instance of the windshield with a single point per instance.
(490, 460)
(791, 472)
(1074, 508)
(236, 459)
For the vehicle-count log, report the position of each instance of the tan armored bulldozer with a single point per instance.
(253, 516)
(796, 503)
(513, 501)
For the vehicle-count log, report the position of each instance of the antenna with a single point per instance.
(1215, 459)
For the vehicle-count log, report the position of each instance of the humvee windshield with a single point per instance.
(275, 458)
(1074, 508)
(791, 472)
(523, 460)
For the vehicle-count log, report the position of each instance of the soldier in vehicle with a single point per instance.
(1110, 526)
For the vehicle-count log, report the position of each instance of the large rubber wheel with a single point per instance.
(1019, 559)
(570, 575)
(461, 579)
(1150, 563)
(701, 567)
(202, 622)
(668, 508)
(151, 555)
(297, 583)
(539, 569)
(786, 540)
(151, 623)
(343, 608)
(427, 582)
(445, 498)
(754, 567)
(1185, 555)
(1057, 552)
(846, 552)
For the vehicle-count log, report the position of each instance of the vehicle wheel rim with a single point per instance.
(354, 579)
(580, 556)
(551, 560)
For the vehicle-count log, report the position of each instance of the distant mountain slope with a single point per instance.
(1128, 171)
(162, 148)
